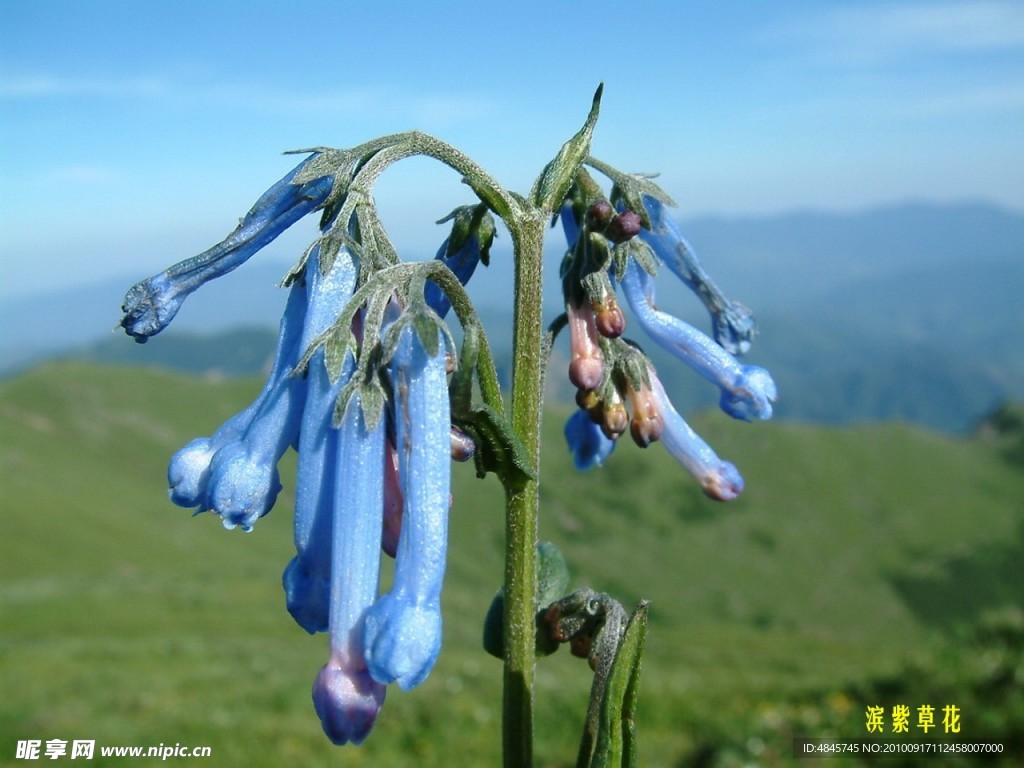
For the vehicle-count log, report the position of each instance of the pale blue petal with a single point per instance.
(150, 305)
(345, 696)
(733, 324)
(188, 473)
(306, 579)
(718, 479)
(747, 391)
(589, 445)
(403, 628)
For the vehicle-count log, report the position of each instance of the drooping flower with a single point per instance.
(732, 323)
(307, 577)
(747, 390)
(234, 472)
(462, 251)
(150, 305)
(403, 628)
(362, 487)
(346, 696)
(589, 445)
(615, 393)
(718, 479)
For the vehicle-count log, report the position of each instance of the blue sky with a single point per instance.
(133, 134)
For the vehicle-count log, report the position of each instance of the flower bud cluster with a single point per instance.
(617, 386)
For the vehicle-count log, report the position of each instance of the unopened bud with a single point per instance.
(610, 320)
(647, 424)
(586, 372)
(463, 446)
(599, 214)
(587, 399)
(623, 227)
(616, 419)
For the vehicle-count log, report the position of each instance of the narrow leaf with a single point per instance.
(554, 181)
(615, 745)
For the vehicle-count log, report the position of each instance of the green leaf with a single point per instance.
(498, 448)
(552, 584)
(615, 746)
(554, 181)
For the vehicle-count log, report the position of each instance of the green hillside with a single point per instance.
(861, 566)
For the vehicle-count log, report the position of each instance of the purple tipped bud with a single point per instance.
(599, 214)
(462, 444)
(623, 227)
(610, 320)
(347, 701)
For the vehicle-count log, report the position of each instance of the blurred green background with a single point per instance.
(864, 565)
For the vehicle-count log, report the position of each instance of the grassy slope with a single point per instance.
(127, 622)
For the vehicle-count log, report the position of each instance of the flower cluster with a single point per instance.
(369, 418)
(369, 389)
(613, 247)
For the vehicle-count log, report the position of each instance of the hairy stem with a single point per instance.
(522, 501)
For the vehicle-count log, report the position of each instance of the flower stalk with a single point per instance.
(522, 503)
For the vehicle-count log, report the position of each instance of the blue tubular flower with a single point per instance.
(403, 628)
(718, 479)
(307, 577)
(189, 471)
(345, 696)
(747, 390)
(150, 305)
(589, 445)
(468, 244)
(570, 226)
(462, 262)
(732, 323)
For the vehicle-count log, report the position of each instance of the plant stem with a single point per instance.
(522, 502)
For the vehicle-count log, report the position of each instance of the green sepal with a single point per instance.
(471, 221)
(336, 348)
(639, 251)
(631, 364)
(615, 744)
(554, 181)
(552, 584)
(498, 448)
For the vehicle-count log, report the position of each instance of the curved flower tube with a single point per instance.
(732, 323)
(403, 628)
(307, 577)
(589, 445)
(719, 479)
(189, 471)
(345, 696)
(150, 305)
(747, 390)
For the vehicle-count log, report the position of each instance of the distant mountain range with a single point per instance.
(909, 312)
